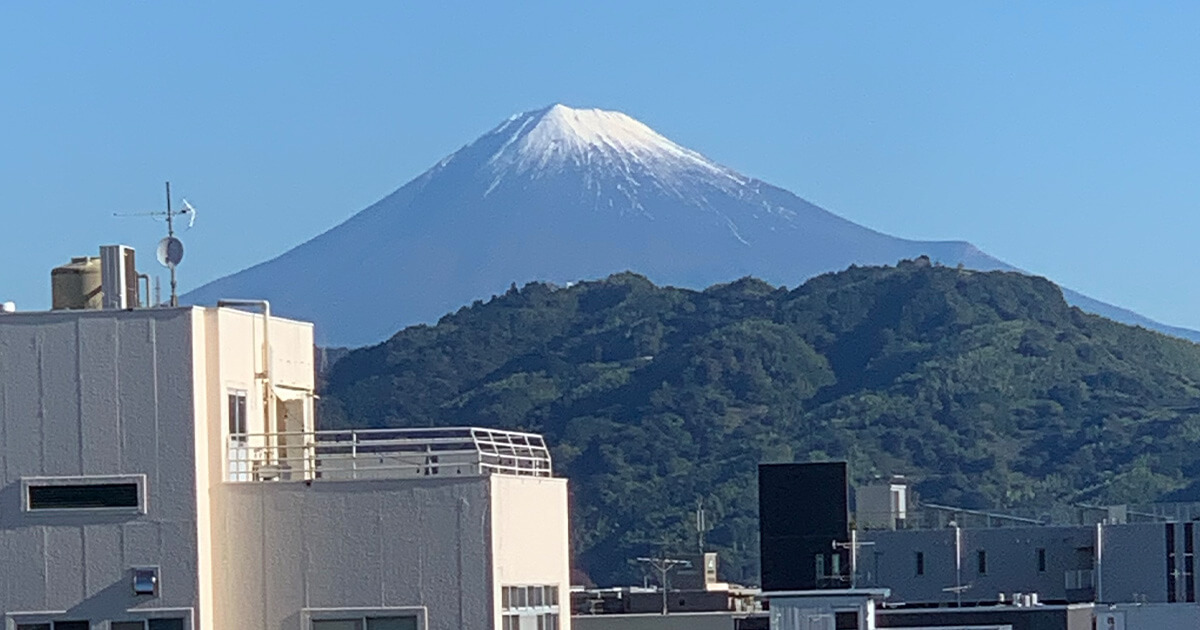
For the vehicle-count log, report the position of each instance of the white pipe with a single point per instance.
(1099, 564)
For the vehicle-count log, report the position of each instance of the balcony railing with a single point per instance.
(1079, 578)
(385, 454)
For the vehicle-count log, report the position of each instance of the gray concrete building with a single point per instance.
(160, 469)
(1129, 562)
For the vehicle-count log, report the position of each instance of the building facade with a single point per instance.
(160, 470)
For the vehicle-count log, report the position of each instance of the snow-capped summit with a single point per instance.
(562, 194)
(559, 136)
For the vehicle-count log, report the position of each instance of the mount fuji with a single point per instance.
(562, 195)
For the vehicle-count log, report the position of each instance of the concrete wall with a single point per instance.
(1148, 616)
(287, 546)
(1134, 564)
(1011, 561)
(680, 621)
(530, 540)
(228, 355)
(97, 393)
(1074, 617)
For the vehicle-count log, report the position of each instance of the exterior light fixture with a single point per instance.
(145, 581)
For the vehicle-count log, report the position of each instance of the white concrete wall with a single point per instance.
(97, 393)
(126, 392)
(228, 349)
(287, 546)
(530, 538)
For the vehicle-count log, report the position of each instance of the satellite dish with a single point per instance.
(170, 252)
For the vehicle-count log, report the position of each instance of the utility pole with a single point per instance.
(664, 566)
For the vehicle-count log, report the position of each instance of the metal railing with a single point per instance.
(385, 454)
(1079, 578)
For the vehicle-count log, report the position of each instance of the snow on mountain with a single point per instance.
(560, 195)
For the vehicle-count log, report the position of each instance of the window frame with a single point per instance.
(242, 405)
(146, 615)
(145, 622)
(308, 615)
(85, 480)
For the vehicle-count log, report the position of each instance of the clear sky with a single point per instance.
(1061, 137)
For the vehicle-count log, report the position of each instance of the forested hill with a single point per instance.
(987, 388)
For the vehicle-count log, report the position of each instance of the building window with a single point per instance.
(847, 620)
(1171, 568)
(366, 623)
(1041, 560)
(820, 566)
(56, 625)
(536, 605)
(83, 497)
(237, 415)
(1189, 562)
(982, 561)
(176, 623)
(126, 493)
(920, 563)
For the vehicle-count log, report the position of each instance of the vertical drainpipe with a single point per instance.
(1100, 562)
(958, 564)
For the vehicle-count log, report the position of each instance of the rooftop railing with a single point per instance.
(386, 454)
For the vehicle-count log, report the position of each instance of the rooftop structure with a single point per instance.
(161, 469)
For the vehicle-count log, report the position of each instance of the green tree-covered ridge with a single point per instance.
(987, 388)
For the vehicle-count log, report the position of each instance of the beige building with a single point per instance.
(160, 470)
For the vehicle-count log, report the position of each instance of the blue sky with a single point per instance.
(1061, 137)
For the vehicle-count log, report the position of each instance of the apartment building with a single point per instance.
(160, 469)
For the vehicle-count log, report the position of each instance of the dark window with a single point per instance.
(920, 563)
(166, 624)
(83, 496)
(845, 620)
(1041, 559)
(982, 562)
(237, 415)
(72, 625)
(33, 626)
(1189, 562)
(1170, 563)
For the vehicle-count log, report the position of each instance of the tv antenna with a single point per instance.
(664, 566)
(170, 249)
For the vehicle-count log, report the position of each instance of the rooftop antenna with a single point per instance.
(664, 566)
(170, 249)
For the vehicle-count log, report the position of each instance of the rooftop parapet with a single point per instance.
(385, 454)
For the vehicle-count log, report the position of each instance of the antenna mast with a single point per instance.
(170, 249)
(171, 236)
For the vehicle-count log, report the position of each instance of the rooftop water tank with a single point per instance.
(77, 284)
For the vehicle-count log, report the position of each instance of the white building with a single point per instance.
(159, 470)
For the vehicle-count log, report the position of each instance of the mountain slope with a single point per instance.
(986, 388)
(560, 195)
